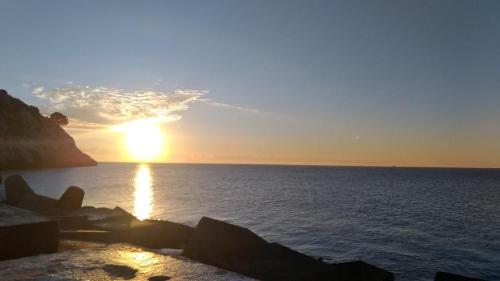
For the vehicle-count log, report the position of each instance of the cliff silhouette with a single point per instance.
(30, 140)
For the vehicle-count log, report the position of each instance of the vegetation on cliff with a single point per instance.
(30, 140)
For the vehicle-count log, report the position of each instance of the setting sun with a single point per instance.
(144, 140)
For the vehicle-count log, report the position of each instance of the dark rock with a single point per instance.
(154, 234)
(443, 276)
(120, 271)
(71, 199)
(158, 278)
(98, 236)
(352, 271)
(95, 215)
(151, 234)
(121, 226)
(29, 140)
(73, 222)
(23, 233)
(99, 219)
(16, 189)
(240, 250)
(18, 193)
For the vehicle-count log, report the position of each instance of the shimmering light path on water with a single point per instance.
(143, 194)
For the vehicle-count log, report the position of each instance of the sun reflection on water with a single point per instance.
(143, 195)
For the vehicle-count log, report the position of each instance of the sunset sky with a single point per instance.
(407, 83)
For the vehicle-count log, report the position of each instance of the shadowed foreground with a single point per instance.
(113, 262)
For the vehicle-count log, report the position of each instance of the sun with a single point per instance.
(144, 140)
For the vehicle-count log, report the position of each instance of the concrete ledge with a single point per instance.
(23, 233)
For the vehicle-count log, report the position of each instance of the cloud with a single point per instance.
(94, 107)
(234, 107)
(38, 90)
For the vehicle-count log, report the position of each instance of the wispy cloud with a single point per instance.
(94, 107)
(234, 107)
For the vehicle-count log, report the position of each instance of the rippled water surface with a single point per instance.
(413, 222)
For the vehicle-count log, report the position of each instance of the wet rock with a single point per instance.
(238, 249)
(102, 218)
(118, 226)
(154, 234)
(24, 233)
(120, 271)
(113, 262)
(352, 271)
(97, 236)
(151, 234)
(158, 278)
(71, 245)
(443, 276)
(71, 199)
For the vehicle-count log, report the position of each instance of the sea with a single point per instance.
(411, 221)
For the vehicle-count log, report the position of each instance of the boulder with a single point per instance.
(71, 199)
(443, 276)
(16, 189)
(97, 219)
(240, 250)
(151, 234)
(19, 193)
(154, 234)
(24, 233)
(117, 225)
(352, 271)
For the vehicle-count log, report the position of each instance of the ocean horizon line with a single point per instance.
(301, 165)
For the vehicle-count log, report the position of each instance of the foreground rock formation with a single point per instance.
(213, 242)
(30, 140)
(239, 249)
(19, 193)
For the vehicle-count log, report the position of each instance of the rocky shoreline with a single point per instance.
(42, 232)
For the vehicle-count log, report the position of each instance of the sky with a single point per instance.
(405, 83)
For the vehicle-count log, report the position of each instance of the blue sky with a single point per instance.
(330, 82)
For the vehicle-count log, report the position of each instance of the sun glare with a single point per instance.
(144, 140)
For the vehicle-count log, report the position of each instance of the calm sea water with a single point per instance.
(413, 222)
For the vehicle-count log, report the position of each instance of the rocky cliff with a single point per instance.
(31, 140)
